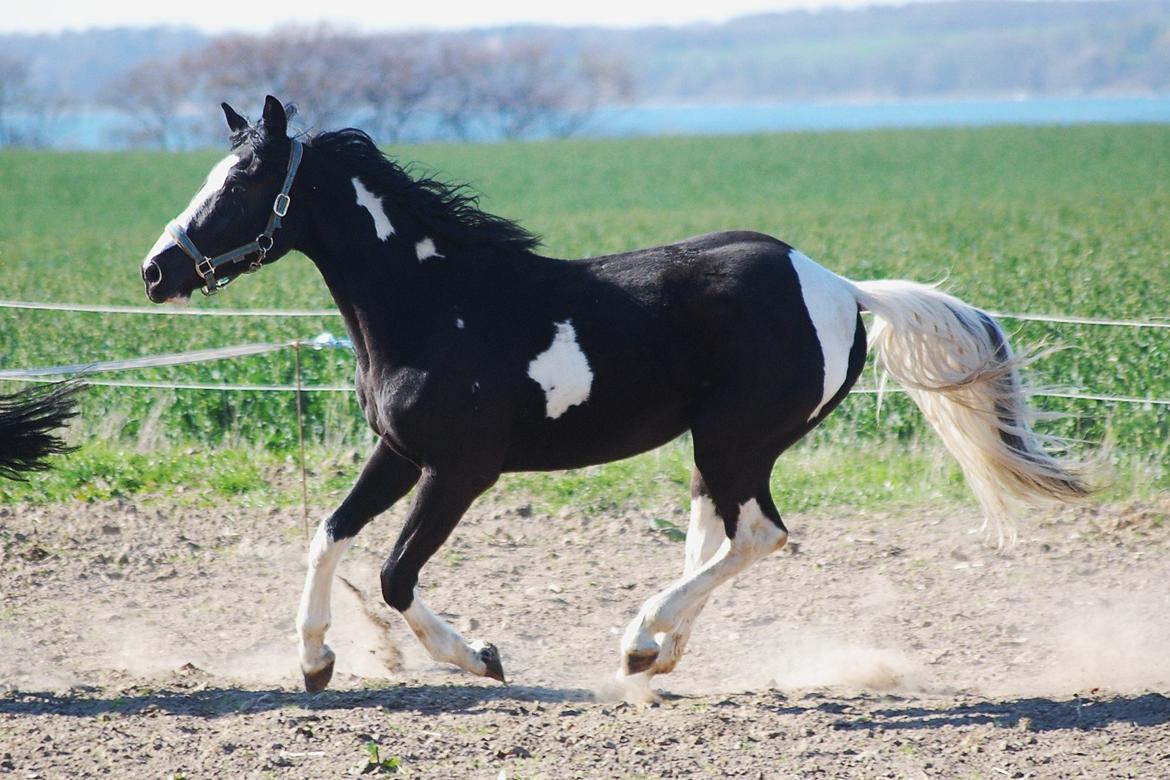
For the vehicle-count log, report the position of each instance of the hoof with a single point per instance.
(315, 682)
(491, 659)
(638, 661)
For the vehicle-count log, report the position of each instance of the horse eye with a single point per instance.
(237, 189)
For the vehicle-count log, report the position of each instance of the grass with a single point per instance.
(1061, 220)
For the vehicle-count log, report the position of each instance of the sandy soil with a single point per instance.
(147, 642)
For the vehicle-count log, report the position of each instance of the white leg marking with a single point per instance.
(705, 537)
(562, 371)
(211, 186)
(373, 204)
(443, 642)
(833, 311)
(425, 250)
(663, 613)
(314, 615)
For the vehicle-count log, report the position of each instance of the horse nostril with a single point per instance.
(151, 273)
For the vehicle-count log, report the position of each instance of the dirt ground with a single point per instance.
(148, 642)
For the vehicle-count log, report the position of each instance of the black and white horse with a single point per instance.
(28, 421)
(477, 356)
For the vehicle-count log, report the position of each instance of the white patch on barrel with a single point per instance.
(213, 184)
(833, 311)
(562, 371)
(425, 250)
(373, 204)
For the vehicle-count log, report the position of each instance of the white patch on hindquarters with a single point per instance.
(833, 311)
(373, 204)
(562, 371)
(211, 186)
(425, 250)
(314, 613)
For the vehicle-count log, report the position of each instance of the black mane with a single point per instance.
(451, 211)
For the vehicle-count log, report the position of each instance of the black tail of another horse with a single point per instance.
(28, 424)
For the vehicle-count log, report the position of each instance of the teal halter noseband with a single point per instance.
(206, 266)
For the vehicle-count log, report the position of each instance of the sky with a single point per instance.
(254, 16)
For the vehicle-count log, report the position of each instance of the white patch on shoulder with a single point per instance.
(425, 250)
(833, 311)
(373, 204)
(562, 371)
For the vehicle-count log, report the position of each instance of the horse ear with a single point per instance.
(275, 120)
(236, 123)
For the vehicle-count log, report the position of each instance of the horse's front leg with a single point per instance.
(386, 478)
(442, 498)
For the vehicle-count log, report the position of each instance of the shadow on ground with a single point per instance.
(212, 702)
(1032, 714)
(865, 712)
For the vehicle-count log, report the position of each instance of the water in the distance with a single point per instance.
(96, 130)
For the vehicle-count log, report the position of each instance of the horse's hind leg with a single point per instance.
(755, 531)
(705, 535)
(439, 503)
(386, 478)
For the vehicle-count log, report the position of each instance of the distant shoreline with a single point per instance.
(98, 129)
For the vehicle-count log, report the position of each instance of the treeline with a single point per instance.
(524, 81)
(453, 87)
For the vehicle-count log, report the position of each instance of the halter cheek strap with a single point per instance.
(259, 248)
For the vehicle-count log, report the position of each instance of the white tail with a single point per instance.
(955, 362)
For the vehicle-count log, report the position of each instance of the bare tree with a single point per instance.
(152, 94)
(471, 87)
(601, 79)
(461, 68)
(525, 88)
(317, 68)
(399, 78)
(535, 88)
(13, 91)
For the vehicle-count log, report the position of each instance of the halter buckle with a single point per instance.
(281, 204)
(204, 268)
(206, 272)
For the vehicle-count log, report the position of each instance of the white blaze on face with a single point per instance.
(562, 371)
(211, 187)
(373, 204)
(833, 311)
(425, 250)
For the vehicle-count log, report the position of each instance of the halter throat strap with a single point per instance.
(257, 249)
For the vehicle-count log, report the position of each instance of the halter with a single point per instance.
(206, 266)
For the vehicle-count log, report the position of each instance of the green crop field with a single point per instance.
(1042, 220)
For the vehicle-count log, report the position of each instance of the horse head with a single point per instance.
(239, 220)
